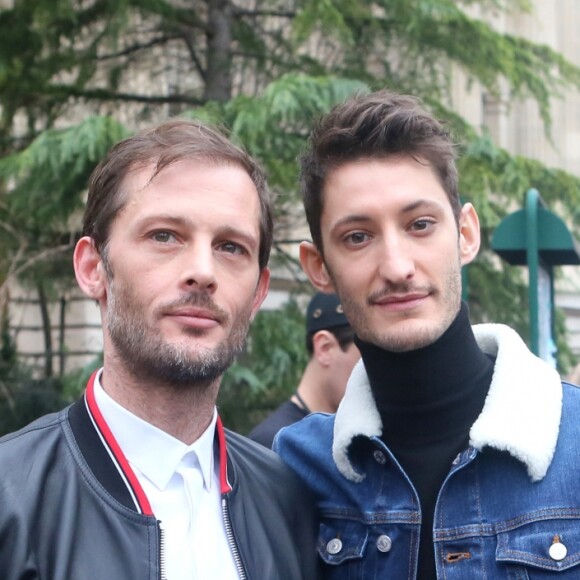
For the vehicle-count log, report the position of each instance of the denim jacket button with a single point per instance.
(384, 543)
(334, 546)
(558, 551)
(379, 457)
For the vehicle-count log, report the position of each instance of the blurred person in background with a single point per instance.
(333, 354)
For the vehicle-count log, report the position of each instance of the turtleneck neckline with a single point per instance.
(433, 392)
(428, 399)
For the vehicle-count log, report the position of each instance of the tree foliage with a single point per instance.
(76, 75)
(22, 398)
(270, 369)
(57, 54)
(48, 178)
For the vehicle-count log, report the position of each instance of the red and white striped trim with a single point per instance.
(140, 499)
(124, 468)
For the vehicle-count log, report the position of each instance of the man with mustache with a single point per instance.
(454, 452)
(139, 480)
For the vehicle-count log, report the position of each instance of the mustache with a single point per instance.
(398, 289)
(198, 300)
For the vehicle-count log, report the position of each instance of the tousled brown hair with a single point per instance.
(163, 145)
(378, 125)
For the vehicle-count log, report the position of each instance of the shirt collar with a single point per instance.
(521, 414)
(155, 453)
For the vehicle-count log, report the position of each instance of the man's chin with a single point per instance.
(413, 337)
(184, 374)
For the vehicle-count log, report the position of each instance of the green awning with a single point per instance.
(555, 242)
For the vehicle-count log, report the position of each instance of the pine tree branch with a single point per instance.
(105, 95)
(185, 36)
(264, 13)
(139, 47)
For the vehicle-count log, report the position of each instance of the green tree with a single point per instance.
(139, 59)
(57, 54)
(36, 234)
(75, 75)
(270, 369)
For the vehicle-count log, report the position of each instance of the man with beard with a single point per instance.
(139, 479)
(454, 452)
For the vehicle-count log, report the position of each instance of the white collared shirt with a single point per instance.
(182, 485)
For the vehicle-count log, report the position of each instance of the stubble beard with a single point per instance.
(147, 356)
(411, 335)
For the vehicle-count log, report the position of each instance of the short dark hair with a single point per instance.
(378, 125)
(343, 334)
(163, 145)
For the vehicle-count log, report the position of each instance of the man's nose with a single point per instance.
(199, 267)
(396, 262)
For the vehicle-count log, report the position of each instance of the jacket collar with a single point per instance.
(521, 414)
(107, 461)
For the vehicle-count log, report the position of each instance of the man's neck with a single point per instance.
(183, 412)
(428, 399)
(312, 389)
(438, 383)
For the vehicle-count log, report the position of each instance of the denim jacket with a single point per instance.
(508, 508)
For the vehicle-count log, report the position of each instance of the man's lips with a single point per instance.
(401, 301)
(195, 317)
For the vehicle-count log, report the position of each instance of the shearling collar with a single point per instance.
(521, 413)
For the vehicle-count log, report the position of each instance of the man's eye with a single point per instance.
(162, 237)
(357, 238)
(422, 225)
(231, 248)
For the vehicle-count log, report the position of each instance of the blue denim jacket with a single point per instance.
(509, 507)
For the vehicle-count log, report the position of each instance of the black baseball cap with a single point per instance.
(324, 311)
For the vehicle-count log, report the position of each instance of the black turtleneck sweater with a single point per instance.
(428, 400)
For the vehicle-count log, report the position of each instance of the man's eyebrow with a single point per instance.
(425, 204)
(161, 220)
(164, 218)
(249, 238)
(422, 204)
(350, 219)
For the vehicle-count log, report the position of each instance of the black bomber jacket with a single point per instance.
(68, 513)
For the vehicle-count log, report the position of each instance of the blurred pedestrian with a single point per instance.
(330, 344)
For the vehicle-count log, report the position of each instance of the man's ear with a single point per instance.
(89, 270)
(313, 265)
(469, 234)
(324, 343)
(261, 291)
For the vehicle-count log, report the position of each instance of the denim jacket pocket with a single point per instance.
(548, 545)
(341, 541)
